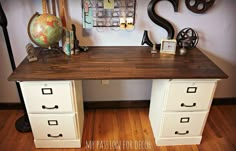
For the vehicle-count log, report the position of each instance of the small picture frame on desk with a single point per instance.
(168, 46)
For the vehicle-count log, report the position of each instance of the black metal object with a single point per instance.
(178, 133)
(159, 21)
(76, 41)
(184, 105)
(22, 124)
(50, 108)
(60, 135)
(199, 6)
(187, 38)
(77, 47)
(146, 40)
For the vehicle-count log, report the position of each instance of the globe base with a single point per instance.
(51, 52)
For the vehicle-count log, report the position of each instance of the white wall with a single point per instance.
(216, 29)
(8, 92)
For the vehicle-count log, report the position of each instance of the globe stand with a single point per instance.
(51, 52)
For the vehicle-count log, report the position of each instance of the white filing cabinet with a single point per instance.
(56, 114)
(179, 110)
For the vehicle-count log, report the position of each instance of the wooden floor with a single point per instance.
(130, 127)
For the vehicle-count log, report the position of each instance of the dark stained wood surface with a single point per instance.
(126, 62)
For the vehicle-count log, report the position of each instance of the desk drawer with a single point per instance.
(48, 97)
(53, 126)
(190, 95)
(183, 124)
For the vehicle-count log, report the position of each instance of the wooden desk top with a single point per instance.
(128, 62)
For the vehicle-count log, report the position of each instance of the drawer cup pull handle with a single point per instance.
(60, 135)
(178, 133)
(49, 108)
(183, 105)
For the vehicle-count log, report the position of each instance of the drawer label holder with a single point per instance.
(52, 122)
(184, 120)
(191, 89)
(47, 91)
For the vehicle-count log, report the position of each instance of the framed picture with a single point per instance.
(168, 46)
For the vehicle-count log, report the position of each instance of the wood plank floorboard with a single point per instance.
(126, 129)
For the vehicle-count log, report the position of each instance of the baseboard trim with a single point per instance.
(10, 106)
(224, 101)
(118, 104)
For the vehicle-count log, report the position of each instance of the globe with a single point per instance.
(45, 30)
